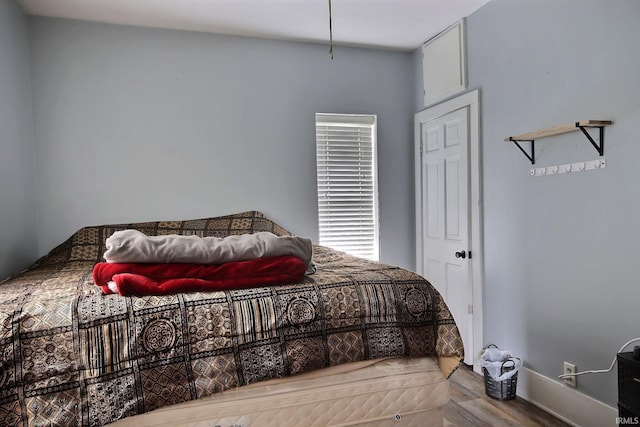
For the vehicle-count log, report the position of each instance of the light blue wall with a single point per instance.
(561, 275)
(18, 226)
(141, 124)
(145, 124)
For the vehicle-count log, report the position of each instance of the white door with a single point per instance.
(444, 198)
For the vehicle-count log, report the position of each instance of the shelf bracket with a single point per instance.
(558, 130)
(599, 147)
(532, 156)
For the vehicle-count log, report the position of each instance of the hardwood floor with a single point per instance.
(471, 407)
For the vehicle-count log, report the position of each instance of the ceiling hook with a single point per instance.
(330, 33)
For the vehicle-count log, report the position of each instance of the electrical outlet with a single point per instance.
(570, 368)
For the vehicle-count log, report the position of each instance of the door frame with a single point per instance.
(471, 100)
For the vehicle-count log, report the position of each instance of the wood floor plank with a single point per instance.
(527, 414)
(490, 413)
(456, 416)
(460, 392)
(470, 406)
(471, 381)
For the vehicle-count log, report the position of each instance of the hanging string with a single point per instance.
(330, 33)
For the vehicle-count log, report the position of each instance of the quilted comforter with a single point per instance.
(70, 355)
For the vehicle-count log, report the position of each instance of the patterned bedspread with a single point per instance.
(72, 356)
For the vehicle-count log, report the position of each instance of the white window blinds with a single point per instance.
(347, 183)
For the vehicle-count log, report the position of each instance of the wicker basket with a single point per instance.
(503, 390)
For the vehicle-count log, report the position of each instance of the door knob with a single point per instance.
(461, 254)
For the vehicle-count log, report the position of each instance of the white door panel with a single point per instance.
(445, 214)
(431, 137)
(452, 133)
(433, 201)
(452, 197)
(448, 218)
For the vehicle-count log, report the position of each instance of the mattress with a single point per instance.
(385, 392)
(70, 355)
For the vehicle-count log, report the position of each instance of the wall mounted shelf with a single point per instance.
(559, 130)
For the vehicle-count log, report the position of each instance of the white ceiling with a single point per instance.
(392, 24)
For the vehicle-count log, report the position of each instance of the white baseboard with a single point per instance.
(568, 404)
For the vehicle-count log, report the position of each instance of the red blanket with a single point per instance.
(165, 279)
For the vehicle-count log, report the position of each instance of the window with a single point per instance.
(347, 183)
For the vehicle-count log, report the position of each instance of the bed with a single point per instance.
(355, 343)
